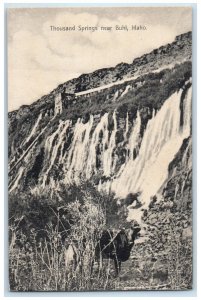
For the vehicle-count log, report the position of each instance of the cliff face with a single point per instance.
(124, 137)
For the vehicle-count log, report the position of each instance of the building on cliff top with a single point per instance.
(62, 101)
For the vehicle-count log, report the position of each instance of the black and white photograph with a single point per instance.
(100, 148)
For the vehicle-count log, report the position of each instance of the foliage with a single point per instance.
(41, 225)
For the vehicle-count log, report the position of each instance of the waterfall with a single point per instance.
(127, 126)
(81, 160)
(132, 141)
(33, 131)
(134, 136)
(94, 149)
(78, 152)
(106, 147)
(108, 161)
(187, 113)
(102, 126)
(63, 138)
(162, 139)
(52, 150)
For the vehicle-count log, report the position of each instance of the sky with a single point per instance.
(40, 59)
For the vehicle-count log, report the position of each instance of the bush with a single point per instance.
(40, 228)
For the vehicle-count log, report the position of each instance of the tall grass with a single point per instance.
(42, 226)
(37, 256)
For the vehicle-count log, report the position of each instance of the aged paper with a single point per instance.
(100, 148)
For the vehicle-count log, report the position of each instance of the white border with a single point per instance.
(3, 159)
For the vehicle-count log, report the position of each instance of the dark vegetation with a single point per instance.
(152, 93)
(41, 224)
(36, 211)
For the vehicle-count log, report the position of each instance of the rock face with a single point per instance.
(124, 134)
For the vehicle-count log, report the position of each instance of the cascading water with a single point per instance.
(81, 160)
(102, 126)
(52, 151)
(33, 131)
(109, 162)
(162, 139)
(93, 149)
(127, 126)
(144, 173)
(134, 136)
(78, 152)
